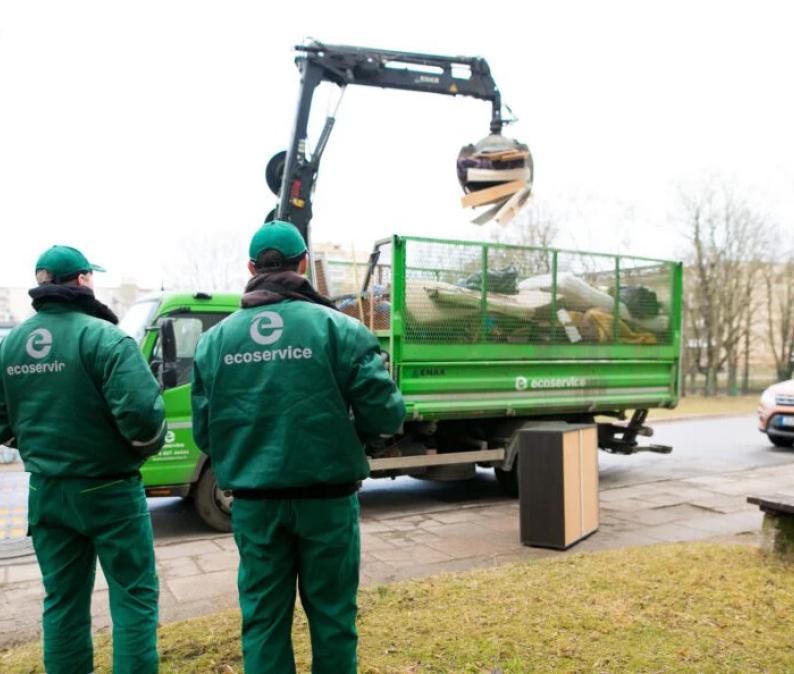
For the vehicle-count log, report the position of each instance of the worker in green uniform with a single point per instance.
(79, 402)
(284, 391)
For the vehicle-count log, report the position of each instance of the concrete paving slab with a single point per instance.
(430, 524)
(422, 538)
(370, 542)
(178, 567)
(467, 529)
(100, 609)
(460, 547)
(671, 533)
(610, 541)
(189, 549)
(100, 582)
(501, 524)
(730, 524)
(23, 572)
(713, 482)
(22, 596)
(212, 584)
(226, 543)
(391, 555)
(13, 505)
(413, 555)
(452, 517)
(672, 493)
(625, 505)
(719, 503)
(659, 515)
(218, 561)
(744, 487)
(374, 527)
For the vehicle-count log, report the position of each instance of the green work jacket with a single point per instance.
(77, 397)
(283, 394)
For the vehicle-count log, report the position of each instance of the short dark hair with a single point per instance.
(44, 277)
(271, 259)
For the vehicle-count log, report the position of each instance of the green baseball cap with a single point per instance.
(64, 262)
(278, 235)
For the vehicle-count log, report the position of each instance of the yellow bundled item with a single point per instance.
(598, 325)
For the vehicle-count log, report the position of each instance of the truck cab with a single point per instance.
(180, 468)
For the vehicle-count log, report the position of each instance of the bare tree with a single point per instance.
(210, 263)
(536, 227)
(779, 294)
(727, 241)
(691, 338)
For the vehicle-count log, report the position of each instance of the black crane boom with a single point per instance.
(292, 174)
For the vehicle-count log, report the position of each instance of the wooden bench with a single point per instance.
(777, 534)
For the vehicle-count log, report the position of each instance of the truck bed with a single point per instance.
(479, 329)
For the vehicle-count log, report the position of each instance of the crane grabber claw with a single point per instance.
(496, 171)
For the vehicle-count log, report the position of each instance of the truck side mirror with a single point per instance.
(168, 371)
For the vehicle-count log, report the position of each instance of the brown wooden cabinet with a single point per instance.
(558, 484)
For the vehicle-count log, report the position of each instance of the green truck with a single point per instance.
(483, 339)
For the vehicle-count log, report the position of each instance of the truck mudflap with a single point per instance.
(622, 438)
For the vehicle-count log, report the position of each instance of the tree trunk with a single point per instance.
(733, 375)
(746, 363)
(710, 385)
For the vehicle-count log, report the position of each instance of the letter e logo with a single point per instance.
(266, 328)
(39, 343)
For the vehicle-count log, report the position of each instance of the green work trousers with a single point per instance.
(73, 521)
(316, 543)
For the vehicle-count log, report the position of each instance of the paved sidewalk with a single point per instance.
(199, 576)
(13, 503)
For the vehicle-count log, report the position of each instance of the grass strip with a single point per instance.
(700, 608)
(693, 405)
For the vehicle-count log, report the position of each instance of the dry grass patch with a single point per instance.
(695, 405)
(701, 608)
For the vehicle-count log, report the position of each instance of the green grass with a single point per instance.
(696, 405)
(701, 608)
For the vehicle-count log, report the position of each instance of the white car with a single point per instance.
(776, 413)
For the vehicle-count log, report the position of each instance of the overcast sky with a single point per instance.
(127, 128)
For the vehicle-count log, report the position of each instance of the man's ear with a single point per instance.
(85, 280)
(251, 267)
(303, 265)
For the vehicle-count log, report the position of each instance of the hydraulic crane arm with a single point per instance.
(292, 174)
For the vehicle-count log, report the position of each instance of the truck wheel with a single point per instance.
(508, 479)
(211, 503)
(777, 441)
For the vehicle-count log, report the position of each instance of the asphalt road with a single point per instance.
(700, 447)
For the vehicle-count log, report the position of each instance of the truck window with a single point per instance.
(188, 328)
(138, 318)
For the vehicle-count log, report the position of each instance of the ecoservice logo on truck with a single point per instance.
(522, 383)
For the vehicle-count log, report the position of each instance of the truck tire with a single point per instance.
(508, 479)
(211, 503)
(778, 441)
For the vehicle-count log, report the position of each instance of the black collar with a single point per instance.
(81, 298)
